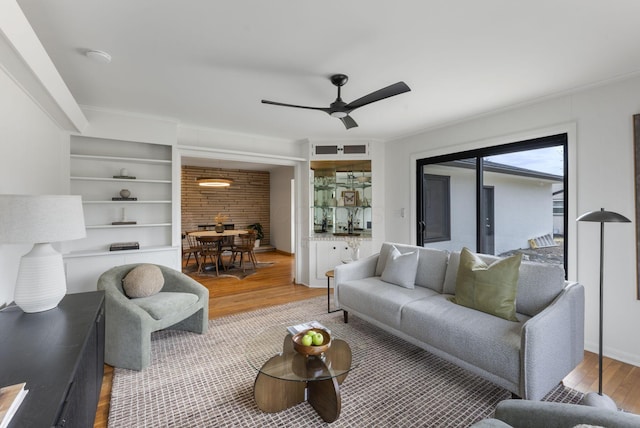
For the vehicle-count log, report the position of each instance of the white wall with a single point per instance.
(280, 206)
(34, 161)
(601, 174)
(523, 210)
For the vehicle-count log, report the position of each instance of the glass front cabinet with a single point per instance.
(341, 192)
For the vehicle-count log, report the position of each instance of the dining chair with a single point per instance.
(190, 247)
(227, 242)
(245, 244)
(210, 248)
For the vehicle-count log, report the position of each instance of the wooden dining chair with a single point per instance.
(191, 247)
(245, 244)
(228, 241)
(210, 247)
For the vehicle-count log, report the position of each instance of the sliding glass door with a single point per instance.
(497, 200)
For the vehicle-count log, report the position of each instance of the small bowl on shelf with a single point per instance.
(312, 350)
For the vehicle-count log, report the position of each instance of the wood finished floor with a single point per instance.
(275, 285)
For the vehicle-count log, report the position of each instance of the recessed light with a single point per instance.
(98, 56)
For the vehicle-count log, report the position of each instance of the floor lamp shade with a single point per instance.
(40, 220)
(602, 217)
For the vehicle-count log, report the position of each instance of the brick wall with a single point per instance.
(245, 202)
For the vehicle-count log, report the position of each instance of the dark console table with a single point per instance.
(60, 355)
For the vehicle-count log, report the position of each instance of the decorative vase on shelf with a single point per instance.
(125, 193)
(355, 253)
(219, 228)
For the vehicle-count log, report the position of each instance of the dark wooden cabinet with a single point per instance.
(60, 355)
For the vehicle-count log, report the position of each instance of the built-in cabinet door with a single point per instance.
(330, 254)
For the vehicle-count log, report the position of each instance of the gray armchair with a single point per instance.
(541, 414)
(181, 304)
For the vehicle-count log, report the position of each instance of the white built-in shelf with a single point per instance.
(125, 202)
(126, 226)
(133, 180)
(122, 159)
(91, 253)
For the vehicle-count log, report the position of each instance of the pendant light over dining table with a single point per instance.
(214, 182)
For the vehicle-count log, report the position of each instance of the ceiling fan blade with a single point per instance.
(349, 122)
(380, 94)
(327, 110)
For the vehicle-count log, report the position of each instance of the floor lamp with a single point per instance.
(602, 217)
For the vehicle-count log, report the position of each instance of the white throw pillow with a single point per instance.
(400, 269)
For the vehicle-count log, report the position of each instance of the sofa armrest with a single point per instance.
(530, 414)
(363, 268)
(360, 269)
(552, 343)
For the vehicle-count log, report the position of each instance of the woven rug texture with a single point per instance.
(205, 381)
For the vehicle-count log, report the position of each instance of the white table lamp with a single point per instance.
(41, 220)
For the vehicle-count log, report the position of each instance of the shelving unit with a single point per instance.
(332, 245)
(95, 164)
(332, 207)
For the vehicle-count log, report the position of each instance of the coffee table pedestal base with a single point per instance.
(274, 395)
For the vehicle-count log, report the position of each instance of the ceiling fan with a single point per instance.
(341, 110)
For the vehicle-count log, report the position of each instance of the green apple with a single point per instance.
(318, 339)
(306, 340)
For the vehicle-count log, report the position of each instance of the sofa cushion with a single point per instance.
(400, 269)
(488, 288)
(165, 303)
(480, 339)
(538, 284)
(378, 299)
(432, 264)
(143, 281)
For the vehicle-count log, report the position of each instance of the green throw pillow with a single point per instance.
(491, 289)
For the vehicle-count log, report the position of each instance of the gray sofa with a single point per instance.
(181, 304)
(528, 357)
(540, 414)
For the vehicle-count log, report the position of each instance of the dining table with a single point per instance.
(229, 232)
(224, 234)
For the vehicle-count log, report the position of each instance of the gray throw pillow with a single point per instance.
(143, 281)
(400, 269)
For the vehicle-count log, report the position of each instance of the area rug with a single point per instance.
(233, 271)
(205, 381)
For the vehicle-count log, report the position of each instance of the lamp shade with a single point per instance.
(41, 218)
(602, 216)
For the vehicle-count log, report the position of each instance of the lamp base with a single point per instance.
(41, 282)
(603, 401)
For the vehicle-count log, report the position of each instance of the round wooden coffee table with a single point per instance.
(286, 378)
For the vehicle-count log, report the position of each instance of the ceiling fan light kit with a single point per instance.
(341, 110)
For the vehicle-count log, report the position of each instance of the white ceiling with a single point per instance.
(209, 63)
